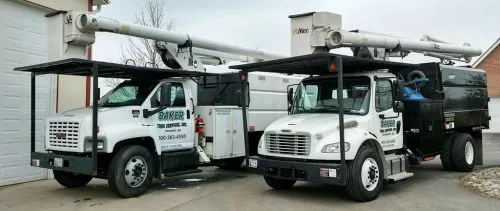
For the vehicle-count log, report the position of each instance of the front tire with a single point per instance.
(365, 175)
(71, 180)
(463, 152)
(131, 171)
(279, 184)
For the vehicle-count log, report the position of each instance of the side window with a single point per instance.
(177, 97)
(174, 95)
(383, 95)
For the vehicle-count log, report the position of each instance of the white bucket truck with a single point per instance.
(360, 121)
(158, 122)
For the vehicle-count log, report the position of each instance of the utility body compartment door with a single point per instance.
(238, 138)
(224, 127)
(223, 133)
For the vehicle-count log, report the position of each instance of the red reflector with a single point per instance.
(428, 158)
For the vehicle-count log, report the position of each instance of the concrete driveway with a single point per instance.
(430, 189)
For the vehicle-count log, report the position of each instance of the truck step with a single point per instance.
(177, 173)
(399, 176)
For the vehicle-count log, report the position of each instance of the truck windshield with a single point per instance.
(320, 96)
(127, 93)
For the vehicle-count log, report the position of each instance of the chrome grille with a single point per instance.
(63, 134)
(289, 144)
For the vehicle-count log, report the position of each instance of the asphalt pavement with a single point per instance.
(430, 189)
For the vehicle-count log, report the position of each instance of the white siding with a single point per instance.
(23, 41)
(495, 115)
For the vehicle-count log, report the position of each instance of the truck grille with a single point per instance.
(289, 144)
(63, 134)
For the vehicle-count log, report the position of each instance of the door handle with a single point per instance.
(235, 131)
(228, 131)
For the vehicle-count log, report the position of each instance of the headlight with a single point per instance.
(88, 145)
(335, 147)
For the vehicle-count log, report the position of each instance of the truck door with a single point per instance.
(388, 124)
(173, 127)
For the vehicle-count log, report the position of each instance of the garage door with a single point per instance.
(23, 41)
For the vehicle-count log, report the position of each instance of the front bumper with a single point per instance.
(70, 163)
(311, 171)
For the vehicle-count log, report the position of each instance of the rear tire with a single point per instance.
(130, 171)
(231, 163)
(365, 175)
(446, 154)
(463, 152)
(71, 180)
(279, 184)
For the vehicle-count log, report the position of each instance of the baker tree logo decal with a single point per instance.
(170, 115)
(387, 127)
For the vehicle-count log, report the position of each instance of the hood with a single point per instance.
(313, 122)
(78, 113)
(105, 114)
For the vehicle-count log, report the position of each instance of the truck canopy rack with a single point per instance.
(96, 69)
(318, 64)
(83, 67)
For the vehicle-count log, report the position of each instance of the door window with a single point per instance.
(383, 95)
(175, 95)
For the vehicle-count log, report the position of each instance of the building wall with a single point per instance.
(71, 90)
(491, 64)
(62, 4)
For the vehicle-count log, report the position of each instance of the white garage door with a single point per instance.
(23, 41)
(495, 115)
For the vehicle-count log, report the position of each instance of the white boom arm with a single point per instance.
(311, 32)
(94, 23)
(353, 39)
(337, 39)
(177, 50)
(322, 31)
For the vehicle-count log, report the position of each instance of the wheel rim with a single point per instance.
(370, 174)
(136, 171)
(469, 152)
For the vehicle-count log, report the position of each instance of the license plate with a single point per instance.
(58, 162)
(252, 163)
(326, 172)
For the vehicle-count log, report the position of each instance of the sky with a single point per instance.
(264, 24)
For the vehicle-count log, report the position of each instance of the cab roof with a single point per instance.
(83, 67)
(319, 63)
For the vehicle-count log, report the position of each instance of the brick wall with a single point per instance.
(491, 64)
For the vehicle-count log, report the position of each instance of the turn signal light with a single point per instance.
(333, 67)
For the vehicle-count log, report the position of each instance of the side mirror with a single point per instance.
(397, 95)
(290, 96)
(165, 94)
(397, 90)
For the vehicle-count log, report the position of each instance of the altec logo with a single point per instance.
(300, 31)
